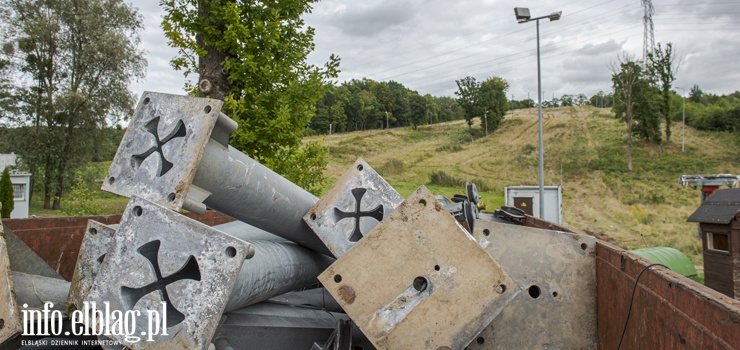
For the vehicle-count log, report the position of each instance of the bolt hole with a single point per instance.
(480, 340)
(171, 197)
(420, 284)
(111, 180)
(534, 291)
(2, 323)
(207, 109)
(555, 294)
(501, 288)
(337, 278)
(313, 216)
(486, 232)
(231, 252)
(584, 246)
(422, 203)
(360, 167)
(146, 101)
(138, 211)
(93, 231)
(436, 267)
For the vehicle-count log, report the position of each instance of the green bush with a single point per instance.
(392, 167)
(6, 194)
(441, 178)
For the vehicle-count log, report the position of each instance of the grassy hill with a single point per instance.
(585, 151)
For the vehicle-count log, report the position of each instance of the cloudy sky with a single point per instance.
(428, 44)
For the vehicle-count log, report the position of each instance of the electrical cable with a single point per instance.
(632, 299)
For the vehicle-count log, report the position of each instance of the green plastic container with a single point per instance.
(675, 260)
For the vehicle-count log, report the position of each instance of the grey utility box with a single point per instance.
(527, 198)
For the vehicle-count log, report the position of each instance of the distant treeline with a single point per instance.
(706, 111)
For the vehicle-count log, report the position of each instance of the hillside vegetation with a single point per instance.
(585, 152)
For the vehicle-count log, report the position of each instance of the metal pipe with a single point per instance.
(275, 269)
(247, 232)
(34, 291)
(243, 188)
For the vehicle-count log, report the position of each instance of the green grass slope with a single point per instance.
(585, 151)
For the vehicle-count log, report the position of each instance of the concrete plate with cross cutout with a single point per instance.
(357, 202)
(166, 262)
(418, 280)
(162, 148)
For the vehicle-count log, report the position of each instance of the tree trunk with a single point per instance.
(213, 81)
(629, 140)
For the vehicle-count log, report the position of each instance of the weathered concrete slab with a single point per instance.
(557, 274)
(165, 262)
(10, 322)
(357, 202)
(95, 244)
(419, 280)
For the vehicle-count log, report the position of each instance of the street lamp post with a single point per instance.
(522, 16)
(683, 117)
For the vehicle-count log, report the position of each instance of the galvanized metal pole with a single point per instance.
(276, 268)
(176, 153)
(539, 127)
(244, 189)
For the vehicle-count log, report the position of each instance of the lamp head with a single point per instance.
(522, 14)
(555, 16)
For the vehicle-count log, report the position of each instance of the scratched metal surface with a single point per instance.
(10, 324)
(197, 267)
(557, 274)
(98, 238)
(162, 148)
(419, 281)
(357, 202)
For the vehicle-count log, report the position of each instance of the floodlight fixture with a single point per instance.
(555, 16)
(522, 14)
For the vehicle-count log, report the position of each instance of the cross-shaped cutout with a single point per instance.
(190, 271)
(179, 131)
(375, 213)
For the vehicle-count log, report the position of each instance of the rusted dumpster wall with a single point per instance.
(669, 310)
(57, 240)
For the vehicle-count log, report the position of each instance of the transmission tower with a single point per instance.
(648, 43)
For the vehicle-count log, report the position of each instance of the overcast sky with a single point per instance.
(428, 44)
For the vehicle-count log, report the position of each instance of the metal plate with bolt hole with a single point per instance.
(162, 148)
(419, 281)
(164, 262)
(10, 324)
(359, 200)
(98, 238)
(557, 274)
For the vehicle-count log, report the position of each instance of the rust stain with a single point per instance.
(347, 294)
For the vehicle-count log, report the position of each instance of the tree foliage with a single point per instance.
(79, 57)
(663, 68)
(252, 54)
(6, 194)
(481, 99)
(625, 75)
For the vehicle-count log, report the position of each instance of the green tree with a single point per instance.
(419, 109)
(696, 94)
(252, 54)
(625, 74)
(663, 68)
(6, 194)
(79, 57)
(468, 96)
(493, 101)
